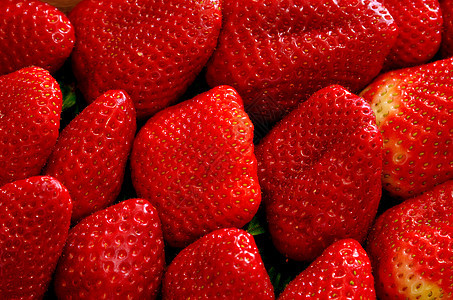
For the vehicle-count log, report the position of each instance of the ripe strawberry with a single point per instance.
(116, 253)
(152, 49)
(414, 110)
(411, 247)
(30, 109)
(419, 32)
(276, 53)
(343, 271)
(33, 33)
(447, 33)
(224, 264)
(35, 214)
(320, 169)
(91, 153)
(195, 163)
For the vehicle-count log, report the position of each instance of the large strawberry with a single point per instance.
(195, 163)
(116, 253)
(35, 214)
(411, 247)
(276, 53)
(414, 112)
(153, 49)
(419, 32)
(320, 170)
(91, 153)
(30, 109)
(343, 271)
(447, 33)
(33, 33)
(224, 264)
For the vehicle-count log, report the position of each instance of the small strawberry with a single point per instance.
(419, 32)
(152, 49)
(116, 253)
(30, 109)
(33, 33)
(343, 271)
(276, 53)
(447, 34)
(414, 112)
(195, 163)
(224, 264)
(320, 169)
(35, 214)
(91, 153)
(411, 247)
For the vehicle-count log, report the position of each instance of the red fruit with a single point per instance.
(411, 247)
(116, 253)
(35, 214)
(33, 33)
(224, 264)
(419, 32)
(320, 169)
(343, 271)
(152, 49)
(30, 108)
(195, 163)
(414, 109)
(91, 153)
(276, 53)
(446, 7)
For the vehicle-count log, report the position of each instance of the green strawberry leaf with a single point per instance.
(255, 227)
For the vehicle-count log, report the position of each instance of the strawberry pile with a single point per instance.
(223, 149)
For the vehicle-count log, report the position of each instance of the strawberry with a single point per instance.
(320, 169)
(447, 32)
(30, 110)
(414, 110)
(411, 248)
(195, 163)
(35, 214)
(419, 32)
(33, 33)
(116, 253)
(91, 153)
(152, 49)
(342, 271)
(276, 53)
(224, 264)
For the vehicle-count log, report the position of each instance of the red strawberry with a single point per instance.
(343, 271)
(33, 33)
(35, 214)
(411, 247)
(414, 109)
(276, 53)
(153, 49)
(30, 109)
(91, 154)
(419, 32)
(195, 163)
(224, 264)
(116, 253)
(320, 169)
(447, 33)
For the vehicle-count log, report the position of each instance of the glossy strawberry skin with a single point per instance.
(153, 49)
(410, 247)
(30, 109)
(224, 264)
(35, 215)
(419, 32)
(342, 271)
(195, 163)
(91, 153)
(116, 253)
(33, 33)
(277, 53)
(320, 169)
(413, 110)
(447, 32)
